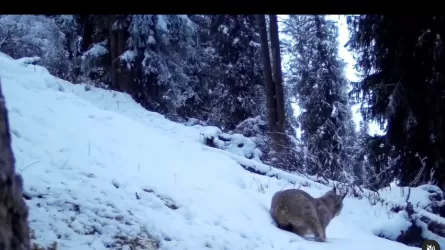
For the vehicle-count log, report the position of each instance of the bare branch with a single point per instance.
(7, 36)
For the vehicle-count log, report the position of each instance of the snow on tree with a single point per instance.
(318, 82)
(237, 90)
(402, 62)
(165, 49)
(361, 166)
(201, 66)
(151, 57)
(69, 26)
(35, 35)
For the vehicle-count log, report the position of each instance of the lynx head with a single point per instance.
(336, 199)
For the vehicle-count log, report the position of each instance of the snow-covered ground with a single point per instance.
(100, 171)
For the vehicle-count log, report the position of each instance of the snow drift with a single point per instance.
(101, 172)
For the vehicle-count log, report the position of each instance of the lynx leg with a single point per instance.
(317, 230)
(299, 227)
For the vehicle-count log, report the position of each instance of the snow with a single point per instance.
(334, 111)
(29, 60)
(392, 228)
(419, 197)
(162, 22)
(151, 40)
(187, 20)
(254, 44)
(235, 143)
(128, 57)
(235, 41)
(224, 29)
(96, 50)
(98, 168)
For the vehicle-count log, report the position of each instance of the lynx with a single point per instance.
(296, 211)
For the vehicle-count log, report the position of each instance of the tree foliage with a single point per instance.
(402, 62)
(318, 81)
(237, 89)
(37, 35)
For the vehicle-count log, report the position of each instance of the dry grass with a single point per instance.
(140, 242)
(35, 246)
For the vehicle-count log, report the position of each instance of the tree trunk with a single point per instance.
(273, 89)
(87, 32)
(278, 80)
(14, 229)
(124, 76)
(267, 70)
(113, 51)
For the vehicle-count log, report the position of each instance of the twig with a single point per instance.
(8, 34)
(28, 166)
(95, 236)
(409, 194)
(422, 161)
(64, 164)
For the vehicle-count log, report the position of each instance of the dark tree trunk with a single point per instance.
(268, 84)
(87, 32)
(14, 229)
(121, 78)
(273, 89)
(124, 76)
(113, 51)
(278, 80)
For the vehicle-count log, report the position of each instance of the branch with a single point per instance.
(422, 161)
(8, 34)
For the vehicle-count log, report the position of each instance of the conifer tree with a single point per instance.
(320, 88)
(402, 61)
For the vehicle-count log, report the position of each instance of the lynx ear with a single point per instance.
(334, 189)
(340, 198)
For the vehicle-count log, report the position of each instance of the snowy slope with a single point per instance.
(100, 171)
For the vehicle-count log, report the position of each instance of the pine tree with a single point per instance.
(321, 90)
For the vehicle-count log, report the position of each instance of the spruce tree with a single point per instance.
(321, 90)
(237, 91)
(402, 61)
(197, 66)
(361, 165)
(151, 57)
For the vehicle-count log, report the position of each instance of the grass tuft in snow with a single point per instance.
(36, 246)
(139, 242)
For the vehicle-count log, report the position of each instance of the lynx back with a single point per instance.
(297, 211)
